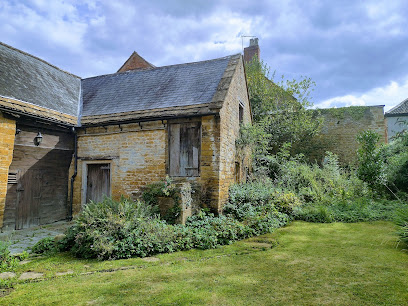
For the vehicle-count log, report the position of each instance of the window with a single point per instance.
(184, 149)
(241, 113)
(237, 172)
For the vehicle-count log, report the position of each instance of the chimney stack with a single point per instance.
(252, 50)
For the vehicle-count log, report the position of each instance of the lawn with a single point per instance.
(303, 263)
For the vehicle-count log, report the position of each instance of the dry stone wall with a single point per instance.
(342, 125)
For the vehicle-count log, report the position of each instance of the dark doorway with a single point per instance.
(98, 182)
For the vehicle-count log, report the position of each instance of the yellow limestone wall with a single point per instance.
(7, 135)
(230, 132)
(137, 155)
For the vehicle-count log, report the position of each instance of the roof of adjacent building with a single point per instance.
(400, 109)
(134, 62)
(162, 87)
(29, 79)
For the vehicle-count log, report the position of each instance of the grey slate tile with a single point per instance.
(30, 79)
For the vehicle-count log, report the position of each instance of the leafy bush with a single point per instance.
(122, 229)
(102, 229)
(208, 231)
(370, 165)
(312, 183)
(353, 211)
(164, 188)
(7, 261)
(45, 246)
(247, 200)
(402, 222)
(395, 159)
(250, 200)
(286, 202)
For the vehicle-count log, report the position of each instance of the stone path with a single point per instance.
(22, 239)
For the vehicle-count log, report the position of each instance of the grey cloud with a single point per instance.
(340, 44)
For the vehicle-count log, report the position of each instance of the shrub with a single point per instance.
(370, 165)
(122, 229)
(353, 211)
(247, 200)
(286, 202)
(45, 246)
(402, 222)
(7, 261)
(208, 231)
(395, 159)
(164, 188)
(102, 229)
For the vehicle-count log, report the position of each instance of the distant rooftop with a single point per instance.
(400, 109)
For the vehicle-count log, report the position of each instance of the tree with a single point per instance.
(280, 111)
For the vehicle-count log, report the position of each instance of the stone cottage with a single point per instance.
(66, 140)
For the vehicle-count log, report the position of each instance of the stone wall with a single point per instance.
(342, 125)
(7, 135)
(229, 157)
(136, 153)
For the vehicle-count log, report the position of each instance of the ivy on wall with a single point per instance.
(354, 112)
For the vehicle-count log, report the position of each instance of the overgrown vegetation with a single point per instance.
(310, 192)
(374, 190)
(9, 262)
(123, 229)
(280, 112)
(164, 188)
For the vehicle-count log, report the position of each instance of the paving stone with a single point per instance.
(30, 275)
(20, 240)
(150, 259)
(64, 273)
(7, 275)
(23, 262)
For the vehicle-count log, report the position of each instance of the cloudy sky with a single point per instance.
(355, 51)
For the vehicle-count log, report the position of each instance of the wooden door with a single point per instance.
(29, 198)
(98, 182)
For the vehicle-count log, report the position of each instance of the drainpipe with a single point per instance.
(75, 172)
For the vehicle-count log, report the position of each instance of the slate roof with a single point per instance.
(30, 79)
(162, 87)
(400, 109)
(31, 86)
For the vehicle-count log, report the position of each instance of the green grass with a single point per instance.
(337, 263)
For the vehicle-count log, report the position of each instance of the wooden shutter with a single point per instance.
(184, 149)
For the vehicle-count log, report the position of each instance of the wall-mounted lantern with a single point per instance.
(38, 139)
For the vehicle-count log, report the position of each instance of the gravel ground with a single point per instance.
(22, 240)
